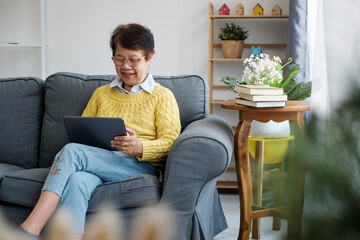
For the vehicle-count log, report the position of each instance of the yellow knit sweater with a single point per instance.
(154, 117)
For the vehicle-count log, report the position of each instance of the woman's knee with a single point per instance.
(72, 147)
(83, 182)
(67, 149)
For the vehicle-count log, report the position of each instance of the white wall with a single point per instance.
(78, 32)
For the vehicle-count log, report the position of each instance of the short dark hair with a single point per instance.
(133, 36)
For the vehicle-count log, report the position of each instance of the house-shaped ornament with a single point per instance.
(258, 10)
(276, 11)
(224, 10)
(240, 9)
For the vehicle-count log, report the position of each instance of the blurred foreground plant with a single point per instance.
(330, 155)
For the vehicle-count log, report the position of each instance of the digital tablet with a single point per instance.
(94, 131)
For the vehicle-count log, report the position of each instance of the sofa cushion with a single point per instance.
(131, 192)
(24, 187)
(7, 168)
(68, 94)
(21, 107)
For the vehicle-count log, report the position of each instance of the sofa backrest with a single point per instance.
(21, 113)
(68, 94)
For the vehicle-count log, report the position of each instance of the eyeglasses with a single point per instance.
(133, 62)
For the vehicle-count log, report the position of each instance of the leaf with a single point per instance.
(294, 90)
(299, 91)
(289, 86)
(292, 71)
(230, 81)
(291, 68)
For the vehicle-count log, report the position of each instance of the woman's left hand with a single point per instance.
(129, 144)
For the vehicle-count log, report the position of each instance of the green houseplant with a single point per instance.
(233, 37)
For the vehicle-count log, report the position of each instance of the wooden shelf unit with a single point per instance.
(229, 185)
(211, 18)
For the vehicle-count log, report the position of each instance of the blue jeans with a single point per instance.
(78, 169)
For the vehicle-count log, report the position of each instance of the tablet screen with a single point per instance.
(94, 131)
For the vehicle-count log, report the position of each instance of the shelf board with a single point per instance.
(262, 45)
(7, 45)
(248, 16)
(227, 59)
(221, 87)
(227, 185)
(234, 59)
(216, 101)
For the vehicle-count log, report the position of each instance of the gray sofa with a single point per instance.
(32, 132)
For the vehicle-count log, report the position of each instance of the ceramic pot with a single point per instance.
(270, 129)
(276, 137)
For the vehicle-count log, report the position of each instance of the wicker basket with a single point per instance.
(232, 49)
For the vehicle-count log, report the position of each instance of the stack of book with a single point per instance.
(260, 96)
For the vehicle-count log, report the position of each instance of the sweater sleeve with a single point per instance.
(168, 128)
(92, 106)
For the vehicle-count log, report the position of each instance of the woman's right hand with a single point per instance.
(128, 144)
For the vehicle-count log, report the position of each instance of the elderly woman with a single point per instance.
(152, 118)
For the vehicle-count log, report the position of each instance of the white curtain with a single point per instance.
(334, 49)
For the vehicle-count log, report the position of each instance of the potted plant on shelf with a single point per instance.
(233, 37)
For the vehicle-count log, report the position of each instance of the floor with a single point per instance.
(231, 207)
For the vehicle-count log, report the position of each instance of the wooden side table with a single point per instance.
(294, 112)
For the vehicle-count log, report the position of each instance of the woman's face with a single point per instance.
(131, 66)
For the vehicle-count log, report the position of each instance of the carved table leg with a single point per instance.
(243, 173)
(258, 185)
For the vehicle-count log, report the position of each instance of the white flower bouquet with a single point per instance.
(263, 70)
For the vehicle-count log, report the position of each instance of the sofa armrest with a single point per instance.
(200, 154)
